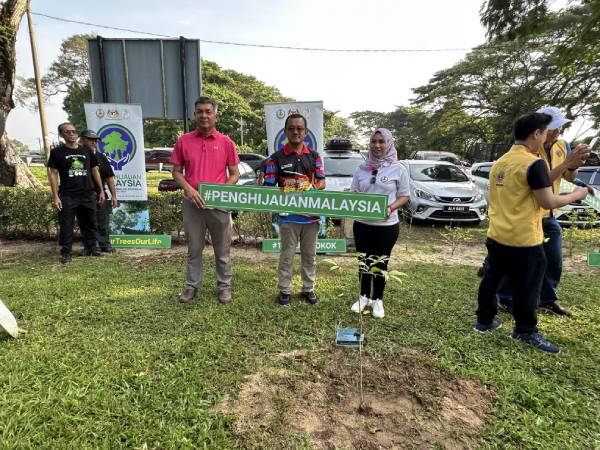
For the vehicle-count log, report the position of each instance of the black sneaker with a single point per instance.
(536, 340)
(505, 304)
(310, 297)
(65, 258)
(483, 328)
(93, 252)
(555, 308)
(284, 299)
(107, 250)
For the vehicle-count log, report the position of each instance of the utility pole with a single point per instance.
(38, 83)
(242, 129)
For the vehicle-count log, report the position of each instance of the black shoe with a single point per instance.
(484, 328)
(93, 252)
(310, 297)
(555, 308)
(65, 258)
(107, 250)
(536, 340)
(505, 304)
(284, 299)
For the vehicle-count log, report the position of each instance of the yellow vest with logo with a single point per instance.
(515, 214)
(558, 153)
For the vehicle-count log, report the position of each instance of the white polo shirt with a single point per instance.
(390, 180)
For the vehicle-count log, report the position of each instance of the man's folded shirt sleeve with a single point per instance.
(537, 175)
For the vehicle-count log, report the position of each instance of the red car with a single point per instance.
(156, 156)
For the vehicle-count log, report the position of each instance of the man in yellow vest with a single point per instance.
(562, 163)
(519, 190)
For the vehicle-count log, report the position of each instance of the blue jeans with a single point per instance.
(554, 258)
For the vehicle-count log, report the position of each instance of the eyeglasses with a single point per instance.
(298, 129)
(374, 177)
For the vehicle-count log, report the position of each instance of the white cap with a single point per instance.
(558, 120)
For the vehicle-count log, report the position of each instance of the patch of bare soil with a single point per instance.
(407, 404)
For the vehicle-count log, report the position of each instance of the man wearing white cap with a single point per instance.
(562, 163)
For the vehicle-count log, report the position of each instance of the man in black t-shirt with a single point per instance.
(89, 139)
(77, 168)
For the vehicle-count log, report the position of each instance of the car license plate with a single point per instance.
(456, 208)
(579, 210)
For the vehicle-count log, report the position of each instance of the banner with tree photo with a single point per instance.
(121, 139)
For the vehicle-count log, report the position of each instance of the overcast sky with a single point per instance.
(345, 82)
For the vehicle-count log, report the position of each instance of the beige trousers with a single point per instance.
(195, 223)
(291, 234)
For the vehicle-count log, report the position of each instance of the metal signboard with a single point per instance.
(162, 75)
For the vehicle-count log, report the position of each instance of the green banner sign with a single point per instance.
(315, 203)
(593, 259)
(592, 200)
(323, 246)
(140, 240)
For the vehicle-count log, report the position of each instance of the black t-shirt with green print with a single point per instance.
(74, 169)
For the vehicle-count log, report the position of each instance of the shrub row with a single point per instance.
(28, 213)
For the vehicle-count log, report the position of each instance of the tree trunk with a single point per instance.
(13, 172)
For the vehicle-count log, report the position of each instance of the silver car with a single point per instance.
(440, 191)
(339, 169)
(590, 176)
(480, 174)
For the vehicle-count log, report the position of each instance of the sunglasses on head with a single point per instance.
(374, 177)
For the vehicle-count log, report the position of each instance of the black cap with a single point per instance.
(89, 134)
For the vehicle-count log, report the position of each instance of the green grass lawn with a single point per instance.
(112, 360)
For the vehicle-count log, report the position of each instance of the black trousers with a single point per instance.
(84, 208)
(373, 241)
(524, 268)
(103, 223)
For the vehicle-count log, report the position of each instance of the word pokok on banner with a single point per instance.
(140, 240)
(316, 203)
(591, 200)
(323, 246)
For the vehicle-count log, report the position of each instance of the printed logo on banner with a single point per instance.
(118, 144)
(281, 139)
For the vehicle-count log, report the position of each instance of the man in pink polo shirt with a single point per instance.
(205, 156)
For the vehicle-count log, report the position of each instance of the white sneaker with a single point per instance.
(361, 304)
(377, 309)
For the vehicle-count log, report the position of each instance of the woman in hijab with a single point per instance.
(381, 173)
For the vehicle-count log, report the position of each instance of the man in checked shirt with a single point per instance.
(295, 168)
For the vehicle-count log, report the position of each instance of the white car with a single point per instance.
(480, 174)
(339, 169)
(441, 191)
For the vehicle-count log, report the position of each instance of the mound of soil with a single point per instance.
(406, 403)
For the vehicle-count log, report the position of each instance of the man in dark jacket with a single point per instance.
(89, 139)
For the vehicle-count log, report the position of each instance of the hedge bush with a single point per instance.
(28, 213)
